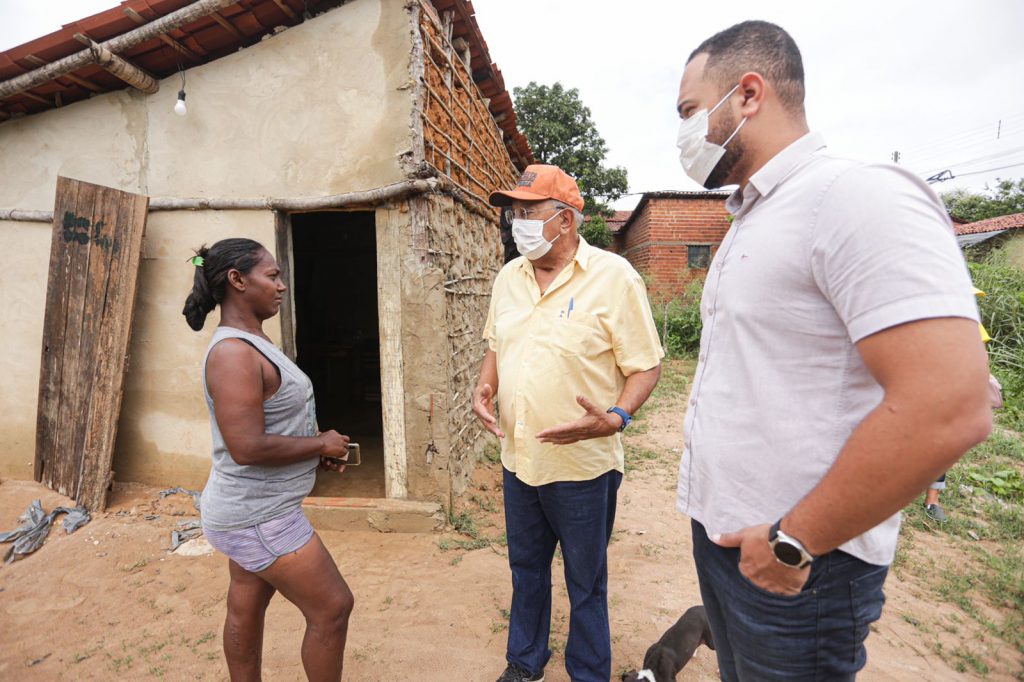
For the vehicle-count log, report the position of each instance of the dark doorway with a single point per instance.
(337, 339)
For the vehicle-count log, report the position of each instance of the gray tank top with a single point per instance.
(239, 496)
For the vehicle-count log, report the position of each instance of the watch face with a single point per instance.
(787, 553)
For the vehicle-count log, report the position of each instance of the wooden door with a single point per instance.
(90, 301)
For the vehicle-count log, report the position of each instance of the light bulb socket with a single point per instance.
(181, 95)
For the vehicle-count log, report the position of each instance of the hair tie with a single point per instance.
(196, 261)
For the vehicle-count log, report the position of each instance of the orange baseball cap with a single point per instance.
(539, 182)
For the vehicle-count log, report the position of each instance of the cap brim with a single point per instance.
(506, 198)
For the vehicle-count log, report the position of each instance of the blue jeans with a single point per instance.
(578, 515)
(816, 635)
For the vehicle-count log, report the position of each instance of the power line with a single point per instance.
(947, 175)
(990, 127)
(990, 170)
(977, 148)
(987, 157)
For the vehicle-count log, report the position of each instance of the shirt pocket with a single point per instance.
(578, 337)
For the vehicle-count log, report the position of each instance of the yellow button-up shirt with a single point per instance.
(590, 330)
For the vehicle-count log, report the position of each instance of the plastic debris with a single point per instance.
(186, 531)
(172, 491)
(35, 527)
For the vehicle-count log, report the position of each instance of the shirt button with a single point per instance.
(693, 401)
(711, 311)
(719, 266)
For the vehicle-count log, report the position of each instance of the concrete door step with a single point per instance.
(367, 513)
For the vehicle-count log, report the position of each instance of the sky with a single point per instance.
(937, 80)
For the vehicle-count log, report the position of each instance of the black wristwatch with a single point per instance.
(787, 549)
(625, 416)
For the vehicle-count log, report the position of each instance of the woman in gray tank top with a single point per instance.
(266, 448)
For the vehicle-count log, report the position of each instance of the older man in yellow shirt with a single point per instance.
(573, 353)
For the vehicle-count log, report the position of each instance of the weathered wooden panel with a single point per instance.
(90, 302)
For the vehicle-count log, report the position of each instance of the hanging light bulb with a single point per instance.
(179, 107)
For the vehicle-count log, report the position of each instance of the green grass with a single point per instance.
(636, 456)
(464, 523)
(986, 525)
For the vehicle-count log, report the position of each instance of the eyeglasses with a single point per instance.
(510, 214)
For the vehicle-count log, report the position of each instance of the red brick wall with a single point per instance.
(656, 241)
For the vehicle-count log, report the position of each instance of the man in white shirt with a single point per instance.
(840, 368)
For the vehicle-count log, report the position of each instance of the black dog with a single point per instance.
(673, 651)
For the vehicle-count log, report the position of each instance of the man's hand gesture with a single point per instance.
(595, 423)
(483, 407)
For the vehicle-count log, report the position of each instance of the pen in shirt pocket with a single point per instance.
(570, 308)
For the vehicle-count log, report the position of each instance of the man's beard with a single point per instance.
(719, 175)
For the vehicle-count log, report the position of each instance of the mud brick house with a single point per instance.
(1005, 231)
(670, 238)
(356, 140)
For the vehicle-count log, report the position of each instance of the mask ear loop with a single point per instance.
(722, 101)
(729, 139)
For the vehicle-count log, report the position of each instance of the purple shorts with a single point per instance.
(256, 547)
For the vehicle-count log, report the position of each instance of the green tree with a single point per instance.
(1006, 198)
(561, 132)
(596, 231)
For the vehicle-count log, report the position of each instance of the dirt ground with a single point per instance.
(110, 602)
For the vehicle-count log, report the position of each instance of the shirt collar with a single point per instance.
(775, 171)
(582, 257)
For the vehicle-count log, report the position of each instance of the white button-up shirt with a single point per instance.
(822, 253)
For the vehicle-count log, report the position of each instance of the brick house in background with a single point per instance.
(671, 237)
(1006, 231)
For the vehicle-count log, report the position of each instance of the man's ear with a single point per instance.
(568, 219)
(754, 91)
(236, 280)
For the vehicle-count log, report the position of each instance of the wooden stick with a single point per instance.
(227, 25)
(286, 9)
(126, 71)
(419, 83)
(125, 41)
(89, 85)
(495, 131)
(35, 98)
(379, 195)
(166, 39)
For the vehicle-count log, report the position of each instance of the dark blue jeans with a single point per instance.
(578, 515)
(816, 635)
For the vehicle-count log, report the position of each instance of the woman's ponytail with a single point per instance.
(212, 265)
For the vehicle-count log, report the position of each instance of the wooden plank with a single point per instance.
(90, 302)
(286, 261)
(112, 350)
(392, 225)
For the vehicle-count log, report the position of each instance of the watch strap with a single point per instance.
(626, 417)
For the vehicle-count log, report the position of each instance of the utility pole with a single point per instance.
(896, 157)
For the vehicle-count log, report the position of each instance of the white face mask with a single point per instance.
(698, 156)
(529, 236)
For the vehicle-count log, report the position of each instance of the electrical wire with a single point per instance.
(987, 157)
(937, 176)
(970, 132)
(991, 170)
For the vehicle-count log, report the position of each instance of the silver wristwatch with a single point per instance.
(787, 549)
